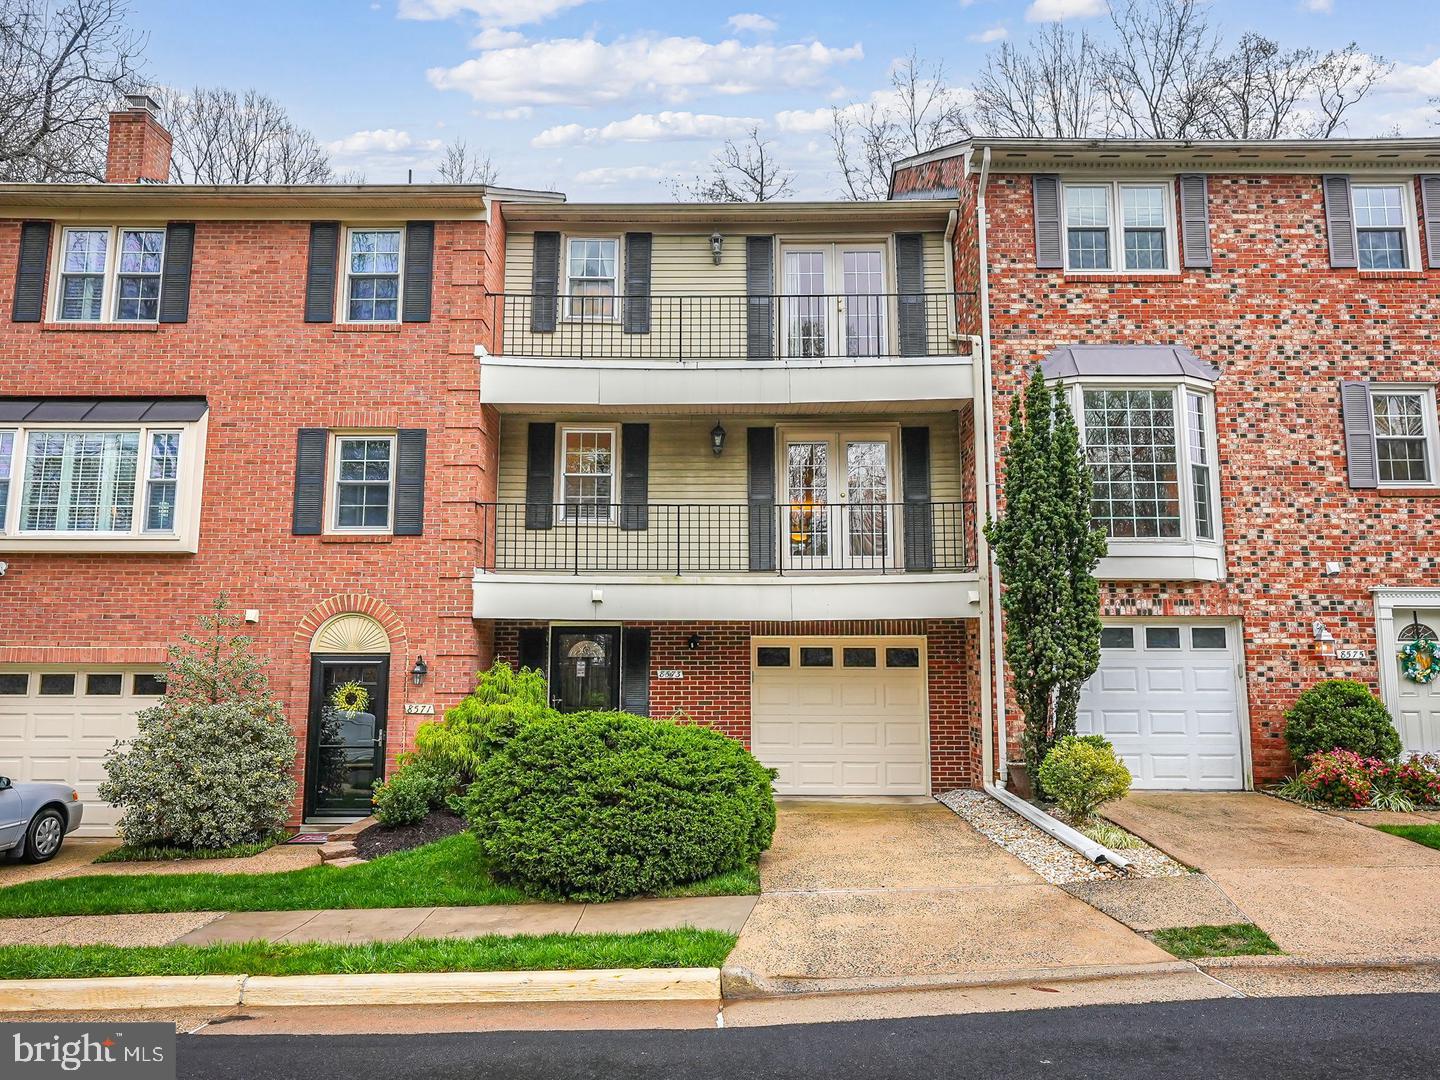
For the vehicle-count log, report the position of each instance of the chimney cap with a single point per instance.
(142, 103)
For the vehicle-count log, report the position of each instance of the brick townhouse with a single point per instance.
(1250, 335)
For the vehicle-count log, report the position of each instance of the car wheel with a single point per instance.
(43, 838)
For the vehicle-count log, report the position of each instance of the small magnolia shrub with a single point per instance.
(1082, 773)
(594, 806)
(211, 764)
(1340, 714)
(457, 745)
(410, 793)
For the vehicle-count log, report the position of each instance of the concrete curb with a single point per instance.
(1218, 964)
(450, 987)
(738, 983)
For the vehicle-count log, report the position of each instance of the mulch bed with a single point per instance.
(379, 840)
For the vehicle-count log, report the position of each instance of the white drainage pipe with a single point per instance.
(1071, 838)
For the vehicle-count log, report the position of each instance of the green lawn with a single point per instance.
(126, 853)
(1236, 939)
(447, 873)
(1429, 835)
(551, 952)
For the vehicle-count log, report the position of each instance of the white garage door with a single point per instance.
(56, 724)
(841, 716)
(1167, 696)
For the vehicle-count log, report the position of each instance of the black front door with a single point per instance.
(584, 667)
(346, 752)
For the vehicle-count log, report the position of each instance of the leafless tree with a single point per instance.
(1049, 88)
(919, 112)
(740, 172)
(461, 166)
(62, 67)
(1342, 79)
(224, 137)
(1161, 70)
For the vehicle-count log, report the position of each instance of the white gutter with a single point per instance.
(1071, 838)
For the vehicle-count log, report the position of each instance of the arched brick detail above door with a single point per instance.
(352, 603)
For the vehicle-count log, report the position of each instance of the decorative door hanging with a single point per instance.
(1420, 655)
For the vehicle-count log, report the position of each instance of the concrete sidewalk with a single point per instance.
(356, 926)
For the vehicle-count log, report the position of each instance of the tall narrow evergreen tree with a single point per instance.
(1047, 549)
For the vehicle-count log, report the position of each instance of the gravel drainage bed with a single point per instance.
(1048, 857)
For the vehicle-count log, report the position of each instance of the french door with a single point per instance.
(834, 300)
(838, 496)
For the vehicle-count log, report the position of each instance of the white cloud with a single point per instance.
(1414, 79)
(752, 23)
(1324, 7)
(648, 127)
(803, 121)
(994, 33)
(380, 140)
(493, 37)
(583, 71)
(519, 112)
(383, 151)
(489, 12)
(1056, 10)
(609, 175)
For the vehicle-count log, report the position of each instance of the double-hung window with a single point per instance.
(591, 276)
(1151, 452)
(7, 456)
(1119, 226)
(1382, 225)
(364, 488)
(587, 473)
(109, 273)
(372, 275)
(1404, 435)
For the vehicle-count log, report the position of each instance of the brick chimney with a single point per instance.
(139, 144)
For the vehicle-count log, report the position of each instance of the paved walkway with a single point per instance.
(77, 859)
(864, 895)
(1322, 886)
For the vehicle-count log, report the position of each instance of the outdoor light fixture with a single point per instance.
(419, 671)
(717, 439)
(693, 642)
(717, 244)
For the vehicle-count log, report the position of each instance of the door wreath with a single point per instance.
(1420, 660)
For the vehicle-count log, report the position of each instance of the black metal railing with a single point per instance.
(735, 327)
(710, 538)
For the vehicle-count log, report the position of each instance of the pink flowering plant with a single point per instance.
(1346, 779)
(1419, 779)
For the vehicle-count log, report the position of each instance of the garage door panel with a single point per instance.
(1214, 723)
(904, 695)
(861, 734)
(1166, 680)
(1215, 680)
(771, 693)
(809, 735)
(1118, 680)
(1119, 722)
(815, 693)
(861, 774)
(859, 694)
(1167, 723)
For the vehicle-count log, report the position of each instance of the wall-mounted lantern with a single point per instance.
(419, 671)
(717, 245)
(717, 439)
(693, 642)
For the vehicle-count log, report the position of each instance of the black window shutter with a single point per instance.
(30, 272)
(533, 651)
(1340, 221)
(410, 482)
(634, 476)
(910, 284)
(540, 477)
(915, 485)
(760, 493)
(175, 273)
(544, 282)
(759, 289)
(310, 444)
(1195, 220)
(1361, 464)
(419, 270)
(1049, 252)
(320, 271)
(637, 282)
(635, 670)
(1430, 212)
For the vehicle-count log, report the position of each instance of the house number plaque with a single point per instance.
(669, 673)
(1352, 654)
(419, 708)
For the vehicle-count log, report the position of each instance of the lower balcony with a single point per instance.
(610, 562)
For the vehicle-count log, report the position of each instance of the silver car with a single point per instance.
(35, 818)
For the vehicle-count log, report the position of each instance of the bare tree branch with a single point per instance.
(1048, 89)
(743, 172)
(223, 137)
(463, 167)
(62, 68)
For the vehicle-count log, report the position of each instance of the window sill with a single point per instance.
(92, 545)
(1172, 560)
(366, 328)
(356, 538)
(1390, 275)
(1408, 492)
(101, 327)
(1121, 277)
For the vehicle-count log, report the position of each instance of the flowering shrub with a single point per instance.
(1340, 714)
(1419, 778)
(1344, 778)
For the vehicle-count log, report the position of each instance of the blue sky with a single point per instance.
(604, 99)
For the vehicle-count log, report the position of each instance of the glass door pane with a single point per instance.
(807, 494)
(347, 747)
(867, 495)
(585, 668)
(862, 274)
(803, 303)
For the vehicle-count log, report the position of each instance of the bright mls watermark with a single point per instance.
(109, 1051)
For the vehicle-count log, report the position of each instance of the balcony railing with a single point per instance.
(733, 327)
(726, 538)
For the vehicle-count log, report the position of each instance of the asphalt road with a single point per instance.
(1390, 1037)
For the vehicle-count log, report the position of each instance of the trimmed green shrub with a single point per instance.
(410, 793)
(594, 806)
(211, 764)
(503, 699)
(1340, 714)
(1081, 774)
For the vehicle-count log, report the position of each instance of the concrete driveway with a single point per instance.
(1322, 886)
(858, 895)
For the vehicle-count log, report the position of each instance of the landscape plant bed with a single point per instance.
(379, 840)
(126, 853)
(1235, 939)
(447, 873)
(551, 952)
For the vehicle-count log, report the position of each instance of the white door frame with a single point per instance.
(1388, 602)
(837, 481)
(832, 256)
